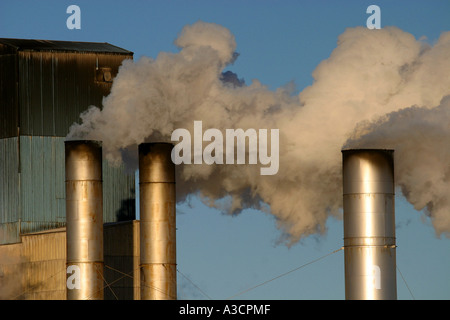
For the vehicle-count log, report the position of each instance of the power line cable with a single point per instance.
(32, 288)
(284, 274)
(404, 280)
(194, 285)
(141, 282)
(107, 284)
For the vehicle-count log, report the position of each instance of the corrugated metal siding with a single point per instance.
(118, 194)
(9, 232)
(45, 85)
(43, 186)
(44, 92)
(42, 183)
(11, 267)
(45, 255)
(9, 179)
(55, 88)
(121, 260)
(36, 268)
(8, 95)
(9, 191)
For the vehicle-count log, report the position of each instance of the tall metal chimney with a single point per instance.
(157, 222)
(369, 224)
(84, 218)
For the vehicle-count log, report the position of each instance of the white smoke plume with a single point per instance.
(365, 91)
(421, 139)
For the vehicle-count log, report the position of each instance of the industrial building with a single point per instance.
(62, 205)
(44, 87)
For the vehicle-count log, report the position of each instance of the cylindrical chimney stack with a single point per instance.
(84, 220)
(157, 222)
(369, 224)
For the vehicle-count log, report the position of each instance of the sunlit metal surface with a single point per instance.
(157, 222)
(84, 217)
(47, 84)
(44, 87)
(369, 224)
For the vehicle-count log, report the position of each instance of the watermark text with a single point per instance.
(235, 147)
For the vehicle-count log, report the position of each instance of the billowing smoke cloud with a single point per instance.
(363, 95)
(421, 139)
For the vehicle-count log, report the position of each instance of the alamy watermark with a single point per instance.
(374, 272)
(374, 21)
(235, 140)
(74, 20)
(74, 279)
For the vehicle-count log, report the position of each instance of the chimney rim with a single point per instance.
(350, 150)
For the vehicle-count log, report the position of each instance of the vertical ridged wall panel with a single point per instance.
(9, 191)
(120, 268)
(8, 94)
(118, 193)
(44, 258)
(40, 179)
(43, 186)
(35, 269)
(55, 87)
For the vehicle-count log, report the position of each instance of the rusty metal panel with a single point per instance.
(35, 268)
(9, 232)
(45, 245)
(12, 277)
(44, 265)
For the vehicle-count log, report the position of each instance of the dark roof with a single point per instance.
(65, 46)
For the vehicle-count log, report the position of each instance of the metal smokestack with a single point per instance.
(84, 218)
(157, 222)
(369, 224)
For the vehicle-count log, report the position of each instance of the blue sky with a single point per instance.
(278, 42)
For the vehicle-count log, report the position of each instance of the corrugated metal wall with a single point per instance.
(9, 110)
(35, 269)
(55, 88)
(9, 191)
(36, 195)
(42, 93)
(121, 261)
(119, 202)
(11, 271)
(44, 266)
(42, 183)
